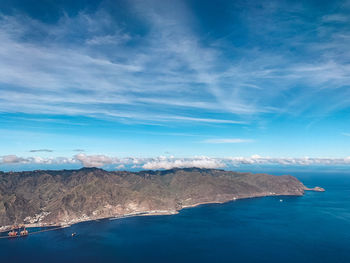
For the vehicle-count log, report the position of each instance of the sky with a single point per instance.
(131, 84)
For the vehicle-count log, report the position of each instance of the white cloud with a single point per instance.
(227, 140)
(205, 120)
(8, 159)
(165, 162)
(14, 159)
(47, 77)
(69, 72)
(95, 160)
(120, 167)
(169, 163)
(108, 39)
(260, 160)
(335, 18)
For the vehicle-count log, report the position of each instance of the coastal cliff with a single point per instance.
(64, 197)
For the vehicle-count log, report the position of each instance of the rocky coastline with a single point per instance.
(93, 194)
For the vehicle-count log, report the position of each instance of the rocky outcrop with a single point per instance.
(316, 189)
(70, 196)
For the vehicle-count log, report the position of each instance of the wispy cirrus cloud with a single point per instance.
(84, 65)
(227, 140)
(335, 18)
(41, 150)
(81, 80)
(78, 150)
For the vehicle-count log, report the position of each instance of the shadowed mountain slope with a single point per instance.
(70, 196)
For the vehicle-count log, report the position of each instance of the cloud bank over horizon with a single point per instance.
(169, 162)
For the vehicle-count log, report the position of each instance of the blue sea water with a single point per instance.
(311, 228)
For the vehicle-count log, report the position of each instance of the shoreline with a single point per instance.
(143, 213)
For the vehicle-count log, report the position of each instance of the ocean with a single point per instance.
(311, 228)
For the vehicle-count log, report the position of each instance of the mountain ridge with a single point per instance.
(63, 197)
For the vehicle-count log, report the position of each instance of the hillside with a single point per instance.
(70, 196)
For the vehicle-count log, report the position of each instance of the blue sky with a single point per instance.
(174, 83)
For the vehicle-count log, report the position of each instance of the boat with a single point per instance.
(24, 232)
(12, 233)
